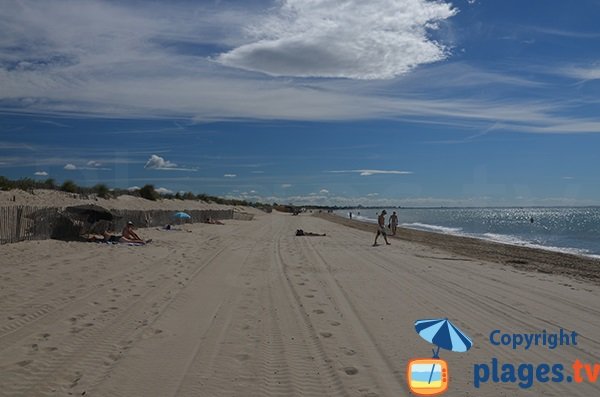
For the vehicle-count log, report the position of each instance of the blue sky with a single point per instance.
(386, 102)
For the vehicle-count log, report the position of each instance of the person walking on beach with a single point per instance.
(381, 228)
(393, 223)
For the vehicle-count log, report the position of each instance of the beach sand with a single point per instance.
(249, 309)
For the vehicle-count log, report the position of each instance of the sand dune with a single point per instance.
(248, 309)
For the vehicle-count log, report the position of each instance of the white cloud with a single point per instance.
(230, 175)
(163, 190)
(41, 173)
(324, 191)
(159, 163)
(378, 201)
(372, 194)
(253, 192)
(133, 188)
(70, 167)
(371, 172)
(376, 39)
(286, 185)
(116, 59)
(93, 163)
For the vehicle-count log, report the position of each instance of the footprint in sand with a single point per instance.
(348, 352)
(318, 311)
(326, 334)
(350, 371)
(334, 323)
(242, 357)
(24, 363)
(309, 296)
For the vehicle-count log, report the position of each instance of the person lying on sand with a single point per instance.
(213, 221)
(105, 237)
(301, 232)
(129, 236)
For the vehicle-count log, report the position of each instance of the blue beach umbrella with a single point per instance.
(182, 215)
(442, 333)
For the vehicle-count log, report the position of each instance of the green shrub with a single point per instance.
(149, 193)
(101, 190)
(69, 187)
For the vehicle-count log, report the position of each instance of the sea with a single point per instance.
(571, 230)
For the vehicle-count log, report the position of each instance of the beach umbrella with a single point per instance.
(181, 215)
(89, 212)
(442, 333)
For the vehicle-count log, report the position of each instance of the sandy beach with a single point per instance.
(249, 309)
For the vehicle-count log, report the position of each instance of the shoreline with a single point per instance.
(520, 257)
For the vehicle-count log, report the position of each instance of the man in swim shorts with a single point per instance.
(381, 228)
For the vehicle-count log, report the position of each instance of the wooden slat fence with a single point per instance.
(20, 223)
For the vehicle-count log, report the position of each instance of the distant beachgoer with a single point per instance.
(393, 223)
(129, 236)
(381, 228)
(350, 214)
(301, 232)
(107, 236)
(531, 219)
(212, 221)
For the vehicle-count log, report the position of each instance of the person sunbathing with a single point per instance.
(130, 236)
(213, 221)
(106, 237)
(301, 232)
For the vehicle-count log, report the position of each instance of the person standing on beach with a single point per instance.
(393, 223)
(381, 228)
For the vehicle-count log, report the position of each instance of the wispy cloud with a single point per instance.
(588, 72)
(371, 172)
(286, 185)
(116, 59)
(40, 173)
(70, 167)
(230, 175)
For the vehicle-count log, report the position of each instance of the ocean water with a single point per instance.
(572, 230)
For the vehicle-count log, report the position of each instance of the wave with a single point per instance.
(513, 240)
(435, 228)
(498, 238)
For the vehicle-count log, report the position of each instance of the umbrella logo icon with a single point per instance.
(429, 376)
